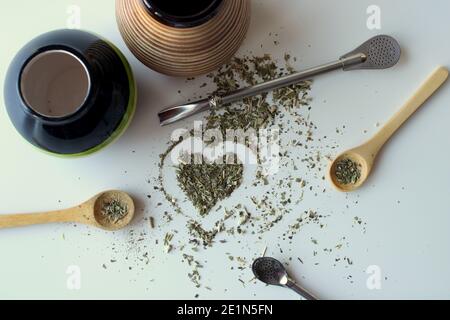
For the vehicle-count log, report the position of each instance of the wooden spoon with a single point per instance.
(89, 213)
(364, 155)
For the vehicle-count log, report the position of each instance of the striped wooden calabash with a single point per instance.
(183, 52)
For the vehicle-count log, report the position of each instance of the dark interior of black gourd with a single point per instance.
(183, 8)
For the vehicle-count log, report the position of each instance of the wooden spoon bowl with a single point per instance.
(101, 221)
(364, 164)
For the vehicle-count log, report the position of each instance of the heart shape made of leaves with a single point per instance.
(208, 183)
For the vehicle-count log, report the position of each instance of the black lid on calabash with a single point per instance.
(183, 13)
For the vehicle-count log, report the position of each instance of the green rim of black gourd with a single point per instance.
(181, 13)
(106, 112)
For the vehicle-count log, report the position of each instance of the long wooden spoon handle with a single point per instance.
(431, 85)
(18, 220)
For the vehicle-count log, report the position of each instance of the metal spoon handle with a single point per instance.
(302, 292)
(176, 113)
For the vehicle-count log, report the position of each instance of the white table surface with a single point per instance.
(405, 204)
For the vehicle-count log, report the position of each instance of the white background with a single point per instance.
(405, 204)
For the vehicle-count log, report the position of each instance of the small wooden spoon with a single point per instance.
(89, 213)
(364, 155)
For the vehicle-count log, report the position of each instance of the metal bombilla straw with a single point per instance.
(379, 52)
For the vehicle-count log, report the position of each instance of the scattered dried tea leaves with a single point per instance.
(201, 235)
(274, 206)
(114, 211)
(194, 275)
(168, 242)
(254, 112)
(347, 171)
(207, 184)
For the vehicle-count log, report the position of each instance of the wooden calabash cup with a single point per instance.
(183, 38)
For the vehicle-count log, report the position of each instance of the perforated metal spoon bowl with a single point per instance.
(272, 272)
(380, 52)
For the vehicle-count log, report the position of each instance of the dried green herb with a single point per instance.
(347, 171)
(173, 201)
(152, 222)
(194, 276)
(200, 234)
(293, 96)
(282, 109)
(168, 242)
(254, 112)
(207, 184)
(114, 211)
